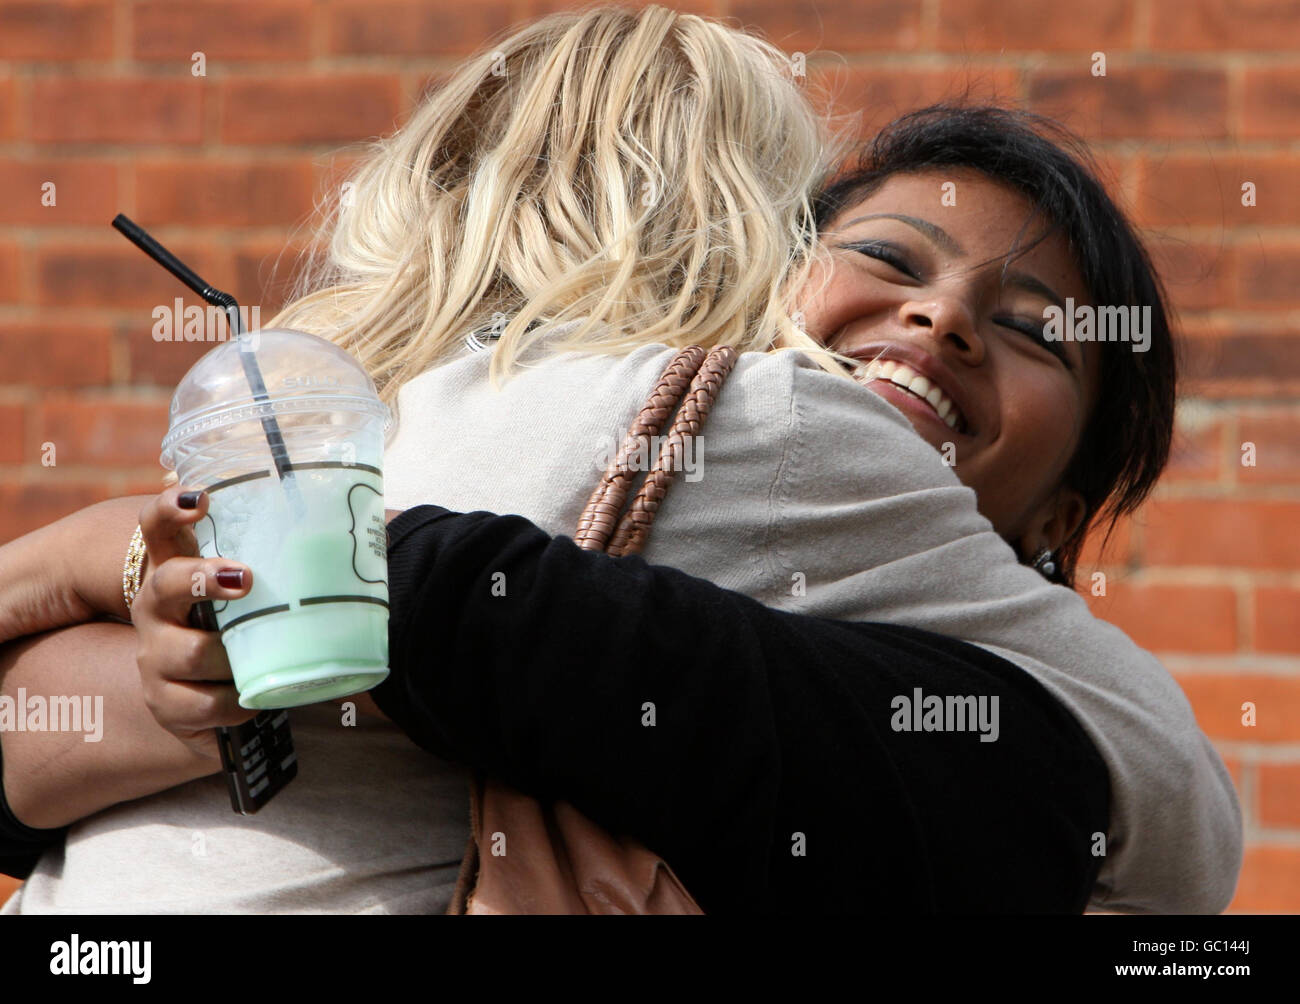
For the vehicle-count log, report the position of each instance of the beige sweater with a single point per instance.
(814, 495)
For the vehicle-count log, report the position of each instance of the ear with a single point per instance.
(1053, 523)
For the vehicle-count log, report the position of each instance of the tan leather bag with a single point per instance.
(557, 860)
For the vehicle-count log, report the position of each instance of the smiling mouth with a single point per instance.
(906, 378)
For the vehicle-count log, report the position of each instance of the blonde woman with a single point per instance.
(631, 183)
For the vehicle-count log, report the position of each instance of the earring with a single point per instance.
(1043, 563)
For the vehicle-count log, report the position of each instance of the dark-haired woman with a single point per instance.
(819, 497)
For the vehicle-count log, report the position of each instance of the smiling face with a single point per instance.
(924, 295)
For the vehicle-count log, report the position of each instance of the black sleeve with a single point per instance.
(776, 776)
(20, 845)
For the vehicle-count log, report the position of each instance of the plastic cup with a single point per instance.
(314, 626)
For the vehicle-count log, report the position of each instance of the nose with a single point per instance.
(949, 322)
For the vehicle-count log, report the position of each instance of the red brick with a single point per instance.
(8, 108)
(1224, 24)
(1223, 533)
(84, 191)
(8, 886)
(265, 270)
(1099, 551)
(24, 507)
(1277, 448)
(875, 97)
(1139, 103)
(331, 173)
(704, 8)
(1220, 361)
(13, 433)
(1266, 274)
(113, 275)
(1172, 618)
(112, 110)
(413, 27)
(1206, 190)
(1196, 276)
(1270, 881)
(67, 30)
(329, 109)
(99, 431)
(226, 31)
(1279, 795)
(1277, 619)
(1270, 97)
(153, 362)
(808, 25)
(997, 25)
(10, 272)
(54, 354)
(1196, 454)
(224, 194)
(1217, 701)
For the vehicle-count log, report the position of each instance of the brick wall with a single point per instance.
(1199, 96)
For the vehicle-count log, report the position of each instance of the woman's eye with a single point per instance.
(1037, 332)
(886, 253)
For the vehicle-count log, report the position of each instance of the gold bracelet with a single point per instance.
(134, 566)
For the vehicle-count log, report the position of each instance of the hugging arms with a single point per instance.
(1164, 831)
(768, 724)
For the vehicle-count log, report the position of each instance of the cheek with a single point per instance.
(831, 298)
(1042, 420)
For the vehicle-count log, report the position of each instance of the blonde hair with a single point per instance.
(645, 171)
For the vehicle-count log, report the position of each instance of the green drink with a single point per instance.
(314, 626)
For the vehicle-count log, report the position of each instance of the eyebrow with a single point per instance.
(936, 234)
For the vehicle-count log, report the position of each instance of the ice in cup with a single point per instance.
(295, 485)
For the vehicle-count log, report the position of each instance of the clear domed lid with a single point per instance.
(298, 372)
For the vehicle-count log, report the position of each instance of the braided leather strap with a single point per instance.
(632, 531)
(601, 514)
(577, 864)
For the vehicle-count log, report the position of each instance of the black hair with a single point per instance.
(1125, 445)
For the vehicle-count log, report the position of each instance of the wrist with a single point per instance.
(94, 566)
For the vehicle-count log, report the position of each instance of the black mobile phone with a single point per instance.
(257, 757)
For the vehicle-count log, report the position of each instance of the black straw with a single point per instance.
(137, 236)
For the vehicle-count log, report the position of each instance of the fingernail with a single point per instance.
(231, 578)
(188, 500)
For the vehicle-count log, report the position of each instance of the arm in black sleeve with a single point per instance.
(773, 777)
(20, 845)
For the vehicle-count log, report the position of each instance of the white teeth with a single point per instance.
(904, 376)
